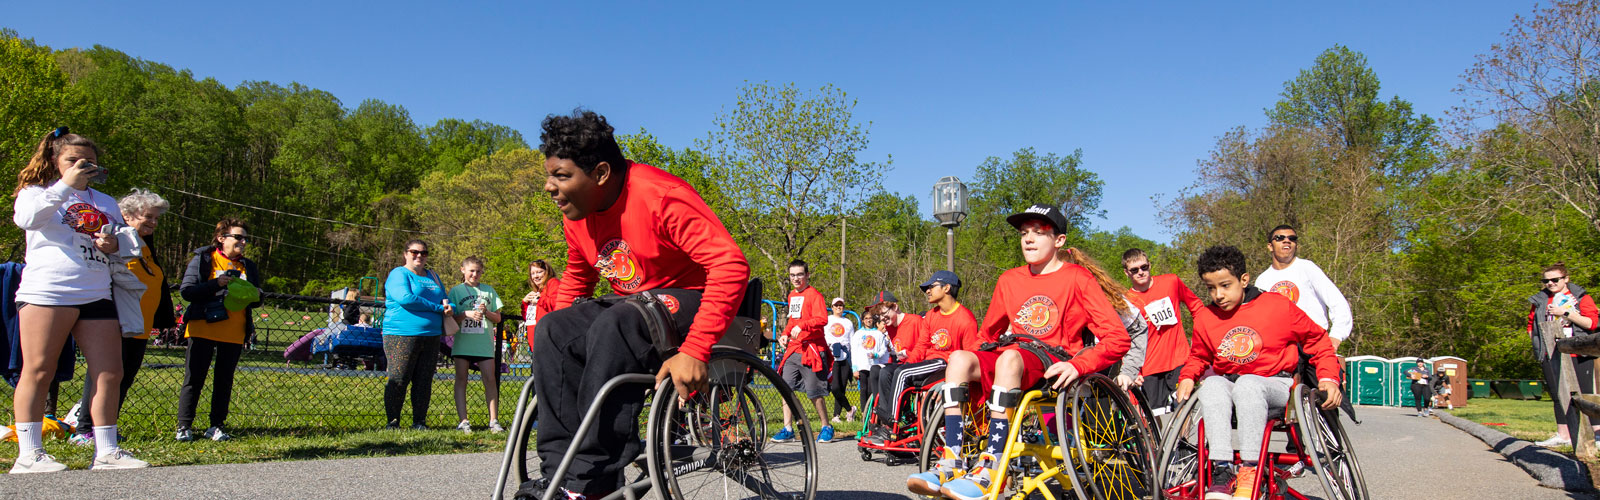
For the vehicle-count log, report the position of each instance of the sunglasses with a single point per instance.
(419, 253)
(1552, 280)
(1281, 237)
(1139, 269)
(238, 237)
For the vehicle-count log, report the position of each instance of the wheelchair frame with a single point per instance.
(921, 397)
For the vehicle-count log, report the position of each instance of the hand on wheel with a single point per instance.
(1185, 389)
(1063, 372)
(688, 375)
(1334, 397)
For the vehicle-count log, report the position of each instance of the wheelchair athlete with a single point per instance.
(1252, 341)
(1049, 300)
(641, 229)
(948, 328)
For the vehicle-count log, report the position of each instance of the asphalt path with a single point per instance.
(1403, 456)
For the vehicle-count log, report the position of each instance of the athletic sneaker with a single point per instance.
(185, 435)
(1222, 481)
(1244, 482)
(85, 439)
(39, 462)
(877, 437)
(783, 436)
(419, 427)
(948, 468)
(973, 485)
(72, 415)
(119, 459)
(393, 425)
(850, 416)
(1554, 441)
(215, 434)
(826, 436)
(495, 428)
(464, 426)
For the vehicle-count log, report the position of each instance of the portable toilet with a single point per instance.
(1454, 370)
(1399, 385)
(1366, 379)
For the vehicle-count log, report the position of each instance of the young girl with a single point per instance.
(66, 290)
(478, 310)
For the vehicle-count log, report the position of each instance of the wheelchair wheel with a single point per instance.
(1108, 440)
(715, 444)
(975, 423)
(1179, 461)
(1329, 448)
(522, 453)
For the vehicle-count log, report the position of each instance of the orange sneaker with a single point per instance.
(1244, 484)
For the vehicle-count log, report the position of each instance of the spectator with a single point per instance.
(1560, 300)
(415, 306)
(541, 296)
(1305, 284)
(1421, 387)
(478, 310)
(869, 348)
(66, 290)
(839, 330)
(806, 359)
(143, 210)
(1167, 346)
(216, 327)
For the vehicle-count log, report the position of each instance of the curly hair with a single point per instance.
(1222, 257)
(583, 137)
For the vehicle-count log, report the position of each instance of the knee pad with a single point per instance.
(1002, 400)
(954, 395)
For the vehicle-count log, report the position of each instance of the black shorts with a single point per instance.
(474, 359)
(99, 309)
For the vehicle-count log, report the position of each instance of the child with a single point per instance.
(948, 328)
(1047, 299)
(869, 348)
(806, 359)
(1250, 340)
(478, 310)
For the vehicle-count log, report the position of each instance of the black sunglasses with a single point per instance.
(1552, 280)
(419, 253)
(1136, 269)
(240, 237)
(1281, 237)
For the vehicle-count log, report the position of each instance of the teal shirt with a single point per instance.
(413, 305)
(476, 337)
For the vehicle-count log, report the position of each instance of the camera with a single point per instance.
(232, 273)
(100, 173)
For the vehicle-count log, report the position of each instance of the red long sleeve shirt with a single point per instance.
(1167, 346)
(1056, 307)
(1586, 308)
(531, 312)
(905, 334)
(1258, 338)
(658, 234)
(808, 312)
(944, 333)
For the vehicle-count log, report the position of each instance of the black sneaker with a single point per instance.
(1221, 487)
(877, 437)
(532, 490)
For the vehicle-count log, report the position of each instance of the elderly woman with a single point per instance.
(213, 328)
(415, 304)
(142, 209)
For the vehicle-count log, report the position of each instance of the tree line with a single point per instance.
(1435, 228)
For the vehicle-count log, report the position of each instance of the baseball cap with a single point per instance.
(884, 296)
(836, 300)
(942, 276)
(1047, 213)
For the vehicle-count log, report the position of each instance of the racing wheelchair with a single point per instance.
(912, 413)
(710, 445)
(1299, 438)
(1088, 438)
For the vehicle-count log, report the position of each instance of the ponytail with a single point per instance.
(41, 168)
(1115, 292)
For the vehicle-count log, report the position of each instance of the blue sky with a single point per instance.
(1143, 88)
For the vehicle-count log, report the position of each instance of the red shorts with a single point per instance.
(1032, 371)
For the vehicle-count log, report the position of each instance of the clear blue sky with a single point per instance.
(1143, 90)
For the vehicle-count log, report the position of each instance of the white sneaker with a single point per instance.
(494, 427)
(119, 459)
(465, 426)
(72, 415)
(39, 462)
(1554, 441)
(216, 434)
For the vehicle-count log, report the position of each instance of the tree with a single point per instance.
(454, 142)
(792, 158)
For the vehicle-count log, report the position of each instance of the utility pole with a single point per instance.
(843, 223)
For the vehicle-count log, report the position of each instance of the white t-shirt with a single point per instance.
(1305, 284)
(837, 332)
(64, 267)
(868, 346)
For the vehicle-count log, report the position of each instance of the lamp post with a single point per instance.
(950, 208)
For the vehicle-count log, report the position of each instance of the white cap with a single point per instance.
(836, 300)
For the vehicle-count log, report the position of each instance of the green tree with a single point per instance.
(454, 142)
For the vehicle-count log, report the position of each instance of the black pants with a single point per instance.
(838, 384)
(196, 362)
(132, 357)
(1583, 367)
(412, 361)
(1161, 391)
(577, 350)
(864, 387)
(895, 379)
(1423, 394)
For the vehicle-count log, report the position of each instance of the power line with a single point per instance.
(281, 242)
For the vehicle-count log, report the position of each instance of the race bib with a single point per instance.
(795, 304)
(469, 325)
(1161, 313)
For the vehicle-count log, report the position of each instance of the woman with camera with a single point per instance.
(66, 290)
(222, 286)
(415, 306)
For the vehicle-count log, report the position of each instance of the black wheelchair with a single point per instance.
(710, 446)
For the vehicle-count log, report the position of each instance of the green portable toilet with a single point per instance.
(1480, 388)
(1399, 385)
(1366, 379)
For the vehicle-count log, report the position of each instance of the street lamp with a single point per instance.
(950, 208)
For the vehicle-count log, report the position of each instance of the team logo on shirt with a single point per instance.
(617, 265)
(1240, 345)
(84, 218)
(869, 342)
(835, 330)
(1288, 289)
(669, 301)
(940, 339)
(1037, 315)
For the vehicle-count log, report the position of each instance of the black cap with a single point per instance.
(884, 296)
(1049, 214)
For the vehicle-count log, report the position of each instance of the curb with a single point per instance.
(1551, 469)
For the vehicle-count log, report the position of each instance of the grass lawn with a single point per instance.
(1529, 420)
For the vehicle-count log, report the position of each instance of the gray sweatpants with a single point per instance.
(1249, 398)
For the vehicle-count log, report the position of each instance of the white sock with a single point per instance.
(29, 438)
(105, 440)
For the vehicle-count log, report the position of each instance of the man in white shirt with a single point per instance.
(1305, 284)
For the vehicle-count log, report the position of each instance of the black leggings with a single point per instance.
(197, 361)
(132, 357)
(412, 360)
(838, 384)
(1423, 394)
(864, 387)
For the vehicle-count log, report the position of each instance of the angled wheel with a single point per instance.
(1332, 456)
(975, 423)
(1179, 461)
(714, 445)
(1108, 439)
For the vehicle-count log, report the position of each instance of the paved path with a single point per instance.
(1404, 457)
